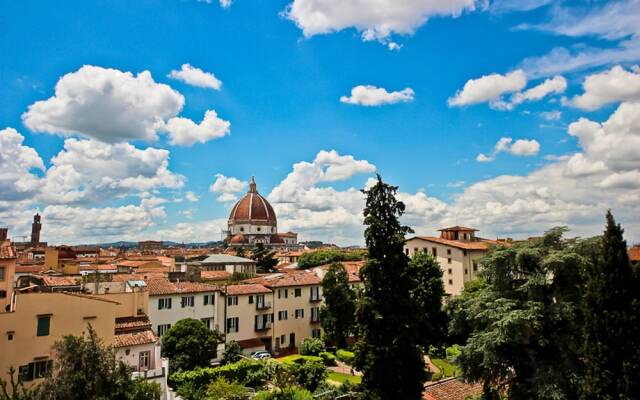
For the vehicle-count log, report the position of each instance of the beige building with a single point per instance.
(39, 320)
(248, 313)
(7, 271)
(457, 250)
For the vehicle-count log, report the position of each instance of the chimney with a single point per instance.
(3, 234)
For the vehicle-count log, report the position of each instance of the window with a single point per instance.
(164, 303)
(241, 229)
(450, 271)
(434, 251)
(466, 271)
(44, 322)
(9, 335)
(3, 294)
(299, 313)
(282, 315)
(262, 322)
(250, 299)
(297, 292)
(450, 281)
(316, 333)
(283, 293)
(475, 266)
(406, 251)
(282, 339)
(464, 252)
(258, 229)
(35, 370)
(145, 358)
(187, 301)
(163, 328)
(315, 314)
(209, 299)
(449, 260)
(232, 300)
(207, 322)
(415, 250)
(449, 251)
(1, 274)
(315, 293)
(233, 324)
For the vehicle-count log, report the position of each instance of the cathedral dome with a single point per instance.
(252, 208)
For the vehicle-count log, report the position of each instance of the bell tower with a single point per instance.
(35, 229)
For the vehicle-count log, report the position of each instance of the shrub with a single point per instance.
(245, 372)
(453, 352)
(290, 393)
(311, 347)
(328, 358)
(345, 356)
(309, 374)
(224, 390)
(298, 359)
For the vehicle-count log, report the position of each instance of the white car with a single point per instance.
(260, 355)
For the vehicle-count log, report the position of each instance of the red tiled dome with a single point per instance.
(252, 207)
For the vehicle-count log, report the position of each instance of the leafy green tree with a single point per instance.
(611, 321)
(522, 321)
(311, 347)
(240, 252)
(232, 353)
(221, 389)
(14, 388)
(309, 374)
(312, 259)
(288, 393)
(428, 291)
(190, 344)
(338, 312)
(85, 368)
(264, 258)
(388, 351)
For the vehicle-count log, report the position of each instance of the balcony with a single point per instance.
(265, 305)
(315, 319)
(315, 298)
(263, 327)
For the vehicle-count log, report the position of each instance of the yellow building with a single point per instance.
(61, 259)
(248, 316)
(38, 320)
(7, 272)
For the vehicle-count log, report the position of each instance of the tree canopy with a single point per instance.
(338, 312)
(264, 258)
(190, 344)
(312, 259)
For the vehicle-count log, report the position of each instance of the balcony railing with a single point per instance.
(315, 298)
(263, 305)
(149, 374)
(263, 327)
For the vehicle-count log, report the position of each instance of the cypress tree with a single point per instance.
(337, 315)
(610, 331)
(388, 350)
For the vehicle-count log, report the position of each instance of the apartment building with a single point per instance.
(169, 302)
(249, 316)
(457, 250)
(38, 320)
(229, 263)
(297, 297)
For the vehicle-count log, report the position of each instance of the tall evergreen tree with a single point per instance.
(264, 258)
(388, 350)
(611, 321)
(337, 314)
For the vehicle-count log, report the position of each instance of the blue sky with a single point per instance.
(282, 76)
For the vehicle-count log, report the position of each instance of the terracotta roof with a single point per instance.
(299, 278)
(451, 389)
(142, 275)
(352, 268)
(164, 286)
(99, 267)
(226, 259)
(49, 280)
(134, 338)
(288, 234)
(234, 290)
(134, 263)
(458, 228)
(30, 269)
(476, 245)
(252, 207)
(124, 324)
(215, 275)
(7, 250)
(634, 253)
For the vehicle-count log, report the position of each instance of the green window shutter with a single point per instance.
(44, 323)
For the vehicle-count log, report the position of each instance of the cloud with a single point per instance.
(373, 96)
(226, 3)
(191, 232)
(190, 196)
(555, 85)
(17, 165)
(488, 88)
(616, 22)
(554, 115)
(88, 171)
(105, 104)
(377, 20)
(195, 76)
(456, 184)
(614, 85)
(228, 188)
(503, 6)
(521, 147)
(185, 132)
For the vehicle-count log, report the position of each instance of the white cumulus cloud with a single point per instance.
(195, 76)
(521, 147)
(227, 188)
(614, 85)
(17, 166)
(185, 132)
(373, 96)
(489, 88)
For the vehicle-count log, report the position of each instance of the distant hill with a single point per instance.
(131, 245)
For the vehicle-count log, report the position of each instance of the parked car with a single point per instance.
(260, 355)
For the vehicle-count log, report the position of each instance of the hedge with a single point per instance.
(246, 372)
(328, 358)
(345, 356)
